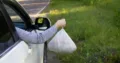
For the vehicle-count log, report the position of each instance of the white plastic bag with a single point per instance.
(62, 43)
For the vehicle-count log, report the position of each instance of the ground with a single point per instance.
(34, 7)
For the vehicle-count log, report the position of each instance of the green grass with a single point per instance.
(94, 25)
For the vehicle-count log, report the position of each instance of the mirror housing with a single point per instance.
(42, 22)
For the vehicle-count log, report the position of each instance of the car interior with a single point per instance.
(5, 35)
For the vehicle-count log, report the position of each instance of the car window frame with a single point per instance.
(21, 11)
(8, 21)
(25, 17)
(11, 28)
(18, 14)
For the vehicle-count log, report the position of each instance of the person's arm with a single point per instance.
(38, 38)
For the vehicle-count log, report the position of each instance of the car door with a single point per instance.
(12, 49)
(36, 51)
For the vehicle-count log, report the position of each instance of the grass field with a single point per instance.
(94, 25)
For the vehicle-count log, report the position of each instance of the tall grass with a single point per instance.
(94, 25)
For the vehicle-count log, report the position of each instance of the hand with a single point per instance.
(60, 23)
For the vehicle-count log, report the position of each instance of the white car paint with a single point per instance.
(36, 55)
(24, 53)
(17, 54)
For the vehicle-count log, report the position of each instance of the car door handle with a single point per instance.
(29, 51)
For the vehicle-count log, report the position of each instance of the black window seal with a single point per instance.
(18, 14)
(20, 10)
(9, 22)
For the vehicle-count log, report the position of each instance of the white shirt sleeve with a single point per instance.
(36, 37)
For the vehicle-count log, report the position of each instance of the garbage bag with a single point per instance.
(62, 43)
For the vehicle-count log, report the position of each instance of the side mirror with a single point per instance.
(42, 22)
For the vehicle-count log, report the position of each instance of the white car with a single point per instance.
(12, 48)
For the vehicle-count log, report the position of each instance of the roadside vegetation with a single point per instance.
(94, 25)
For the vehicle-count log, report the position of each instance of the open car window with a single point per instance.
(15, 17)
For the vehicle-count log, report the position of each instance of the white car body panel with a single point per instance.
(36, 55)
(22, 53)
(17, 54)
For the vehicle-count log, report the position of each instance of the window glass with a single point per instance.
(6, 39)
(15, 17)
